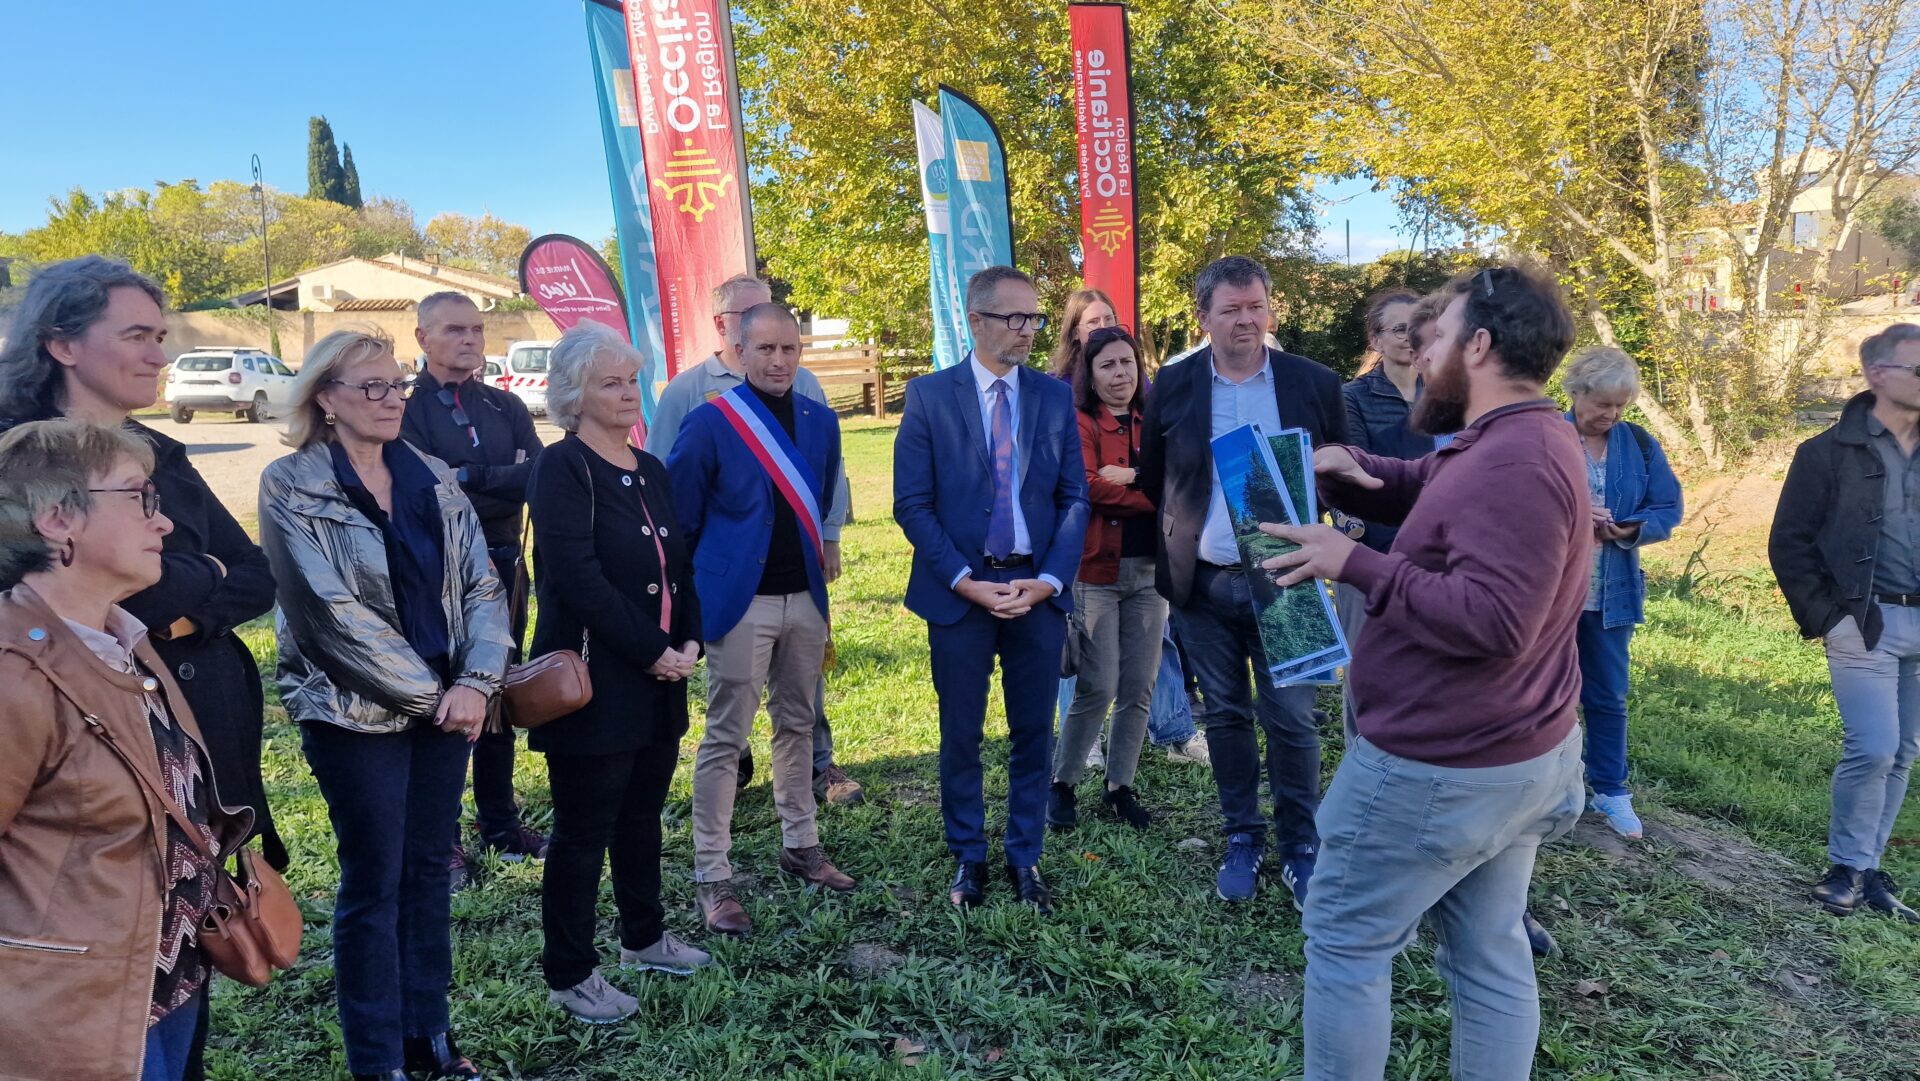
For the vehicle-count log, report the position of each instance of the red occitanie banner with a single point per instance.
(687, 97)
(1103, 104)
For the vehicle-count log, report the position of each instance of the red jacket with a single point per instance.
(1104, 442)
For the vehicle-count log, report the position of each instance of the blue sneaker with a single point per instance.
(1239, 876)
(1296, 870)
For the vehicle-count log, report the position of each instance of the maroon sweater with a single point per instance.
(1467, 656)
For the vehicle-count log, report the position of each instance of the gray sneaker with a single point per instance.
(667, 955)
(1191, 750)
(595, 1001)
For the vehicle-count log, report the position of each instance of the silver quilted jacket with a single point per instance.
(342, 660)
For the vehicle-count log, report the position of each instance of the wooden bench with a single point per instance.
(837, 362)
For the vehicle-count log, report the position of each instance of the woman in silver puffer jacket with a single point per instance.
(393, 641)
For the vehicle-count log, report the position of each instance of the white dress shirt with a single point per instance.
(983, 380)
(1250, 401)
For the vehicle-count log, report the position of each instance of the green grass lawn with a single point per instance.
(1689, 956)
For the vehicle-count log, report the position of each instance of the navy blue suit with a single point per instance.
(943, 500)
(724, 500)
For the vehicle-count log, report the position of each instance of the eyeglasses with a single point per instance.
(1019, 321)
(149, 497)
(1485, 278)
(1911, 369)
(452, 401)
(1400, 330)
(376, 389)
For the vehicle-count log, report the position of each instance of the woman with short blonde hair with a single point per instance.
(393, 641)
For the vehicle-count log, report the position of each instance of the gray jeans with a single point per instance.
(1400, 840)
(1120, 628)
(1878, 691)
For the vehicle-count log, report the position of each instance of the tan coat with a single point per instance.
(82, 843)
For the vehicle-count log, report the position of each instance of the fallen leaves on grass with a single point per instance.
(1592, 988)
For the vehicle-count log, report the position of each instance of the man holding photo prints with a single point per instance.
(1465, 677)
(1233, 381)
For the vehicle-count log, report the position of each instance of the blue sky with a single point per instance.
(481, 105)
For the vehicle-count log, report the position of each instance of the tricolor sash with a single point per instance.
(777, 454)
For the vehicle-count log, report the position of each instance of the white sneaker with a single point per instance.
(595, 1001)
(668, 955)
(1193, 750)
(1097, 757)
(1619, 812)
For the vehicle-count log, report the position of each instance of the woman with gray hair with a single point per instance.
(104, 883)
(1636, 502)
(393, 641)
(615, 583)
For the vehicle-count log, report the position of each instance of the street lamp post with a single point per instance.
(266, 259)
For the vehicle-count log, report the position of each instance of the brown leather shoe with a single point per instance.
(838, 789)
(725, 915)
(810, 865)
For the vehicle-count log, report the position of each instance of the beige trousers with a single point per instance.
(777, 646)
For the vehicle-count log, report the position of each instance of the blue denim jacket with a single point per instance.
(1638, 486)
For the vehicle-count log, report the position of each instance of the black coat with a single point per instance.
(1826, 530)
(214, 668)
(1377, 419)
(597, 579)
(495, 484)
(1176, 448)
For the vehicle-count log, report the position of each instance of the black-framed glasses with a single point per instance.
(1019, 321)
(376, 389)
(149, 497)
(449, 398)
(1485, 278)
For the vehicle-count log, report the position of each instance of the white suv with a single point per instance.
(248, 383)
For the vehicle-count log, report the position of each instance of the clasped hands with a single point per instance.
(1007, 600)
(675, 664)
(1606, 529)
(1323, 549)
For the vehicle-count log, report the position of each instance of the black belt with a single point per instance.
(1904, 600)
(1223, 568)
(1008, 563)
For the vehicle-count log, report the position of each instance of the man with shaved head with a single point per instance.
(487, 437)
(753, 471)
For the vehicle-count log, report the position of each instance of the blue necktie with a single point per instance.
(1000, 525)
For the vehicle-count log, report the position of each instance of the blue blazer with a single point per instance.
(1639, 485)
(943, 486)
(724, 500)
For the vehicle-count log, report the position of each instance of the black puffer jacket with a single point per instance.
(1826, 530)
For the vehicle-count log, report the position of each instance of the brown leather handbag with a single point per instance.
(547, 688)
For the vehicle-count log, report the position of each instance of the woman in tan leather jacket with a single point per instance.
(102, 892)
(393, 641)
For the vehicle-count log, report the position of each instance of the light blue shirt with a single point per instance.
(983, 380)
(1235, 404)
(707, 380)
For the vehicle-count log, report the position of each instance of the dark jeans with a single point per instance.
(963, 654)
(170, 1041)
(1603, 701)
(495, 814)
(603, 805)
(1220, 639)
(394, 801)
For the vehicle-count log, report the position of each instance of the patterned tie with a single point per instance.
(1000, 525)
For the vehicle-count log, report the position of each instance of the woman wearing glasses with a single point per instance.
(102, 889)
(1379, 401)
(393, 640)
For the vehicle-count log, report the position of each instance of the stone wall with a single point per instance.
(187, 331)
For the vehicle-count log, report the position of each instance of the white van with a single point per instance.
(526, 376)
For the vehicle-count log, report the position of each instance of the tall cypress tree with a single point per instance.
(349, 178)
(325, 178)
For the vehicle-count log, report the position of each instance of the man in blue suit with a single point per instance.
(752, 471)
(990, 489)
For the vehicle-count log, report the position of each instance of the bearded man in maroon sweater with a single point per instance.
(1465, 678)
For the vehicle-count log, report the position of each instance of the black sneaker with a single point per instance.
(525, 843)
(1062, 807)
(1120, 801)
(1842, 890)
(1539, 939)
(460, 875)
(744, 775)
(1882, 897)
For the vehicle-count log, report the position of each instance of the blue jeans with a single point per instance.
(962, 660)
(170, 1041)
(1878, 692)
(1402, 840)
(1603, 701)
(1221, 639)
(1170, 715)
(394, 802)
